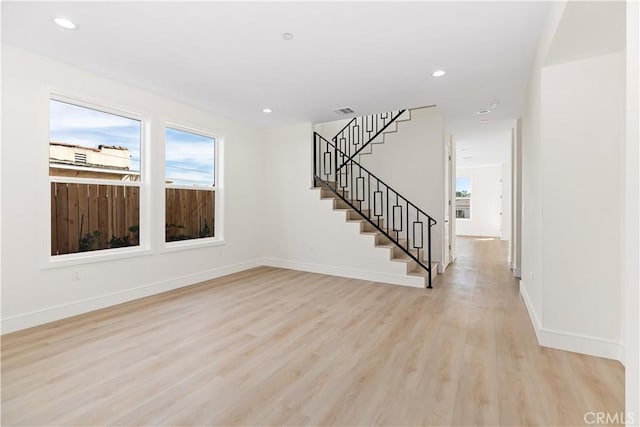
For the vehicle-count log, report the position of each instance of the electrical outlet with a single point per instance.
(75, 276)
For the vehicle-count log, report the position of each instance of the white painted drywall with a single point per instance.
(631, 235)
(330, 129)
(32, 294)
(572, 198)
(486, 204)
(582, 137)
(505, 201)
(531, 257)
(303, 231)
(452, 185)
(516, 219)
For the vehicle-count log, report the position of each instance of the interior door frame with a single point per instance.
(452, 199)
(448, 250)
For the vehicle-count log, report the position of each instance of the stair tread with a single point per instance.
(419, 271)
(386, 245)
(403, 259)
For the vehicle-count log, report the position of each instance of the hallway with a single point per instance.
(534, 385)
(279, 347)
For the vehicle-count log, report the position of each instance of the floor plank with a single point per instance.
(279, 347)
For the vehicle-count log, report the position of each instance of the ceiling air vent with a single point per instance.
(343, 111)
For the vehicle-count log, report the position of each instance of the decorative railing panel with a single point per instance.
(392, 214)
(361, 131)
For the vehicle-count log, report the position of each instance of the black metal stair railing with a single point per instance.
(361, 131)
(390, 213)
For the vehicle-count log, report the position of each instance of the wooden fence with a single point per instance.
(189, 214)
(90, 216)
(86, 217)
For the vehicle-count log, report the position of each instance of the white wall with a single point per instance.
(452, 185)
(571, 177)
(486, 204)
(505, 209)
(303, 231)
(631, 235)
(330, 129)
(412, 162)
(582, 137)
(516, 200)
(531, 269)
(32, 293)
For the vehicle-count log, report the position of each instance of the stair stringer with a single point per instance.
(363, 245)
(380, 241)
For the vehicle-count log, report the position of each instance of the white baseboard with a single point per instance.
(546, 337)
(561, 340)
(577, 343)
(50, 314)
(533, 316)
(621, 358)
(416, 282)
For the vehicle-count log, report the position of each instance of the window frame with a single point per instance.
(144, 223)
(217, 188)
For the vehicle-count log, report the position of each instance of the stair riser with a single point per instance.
(355, 215)
(397, 252)
(340, 204)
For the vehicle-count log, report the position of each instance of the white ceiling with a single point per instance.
(230, 58)
(487, 148)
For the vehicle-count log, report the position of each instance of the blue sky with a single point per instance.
(189, 157)
(463, 183)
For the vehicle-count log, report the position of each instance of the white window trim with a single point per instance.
(144, 247)
(218, 187)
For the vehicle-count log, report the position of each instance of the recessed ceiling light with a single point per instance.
(438, 73)
(494, 103)
(484, 111)
(484, 121)
(266, 110)
(287, 36)
(65, 23)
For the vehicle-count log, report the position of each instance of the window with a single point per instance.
(463, 197)
(190, 180)
(94, 173)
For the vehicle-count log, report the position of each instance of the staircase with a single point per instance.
(396, 223)
(361, 133)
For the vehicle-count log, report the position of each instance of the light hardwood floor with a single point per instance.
(279, 347)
